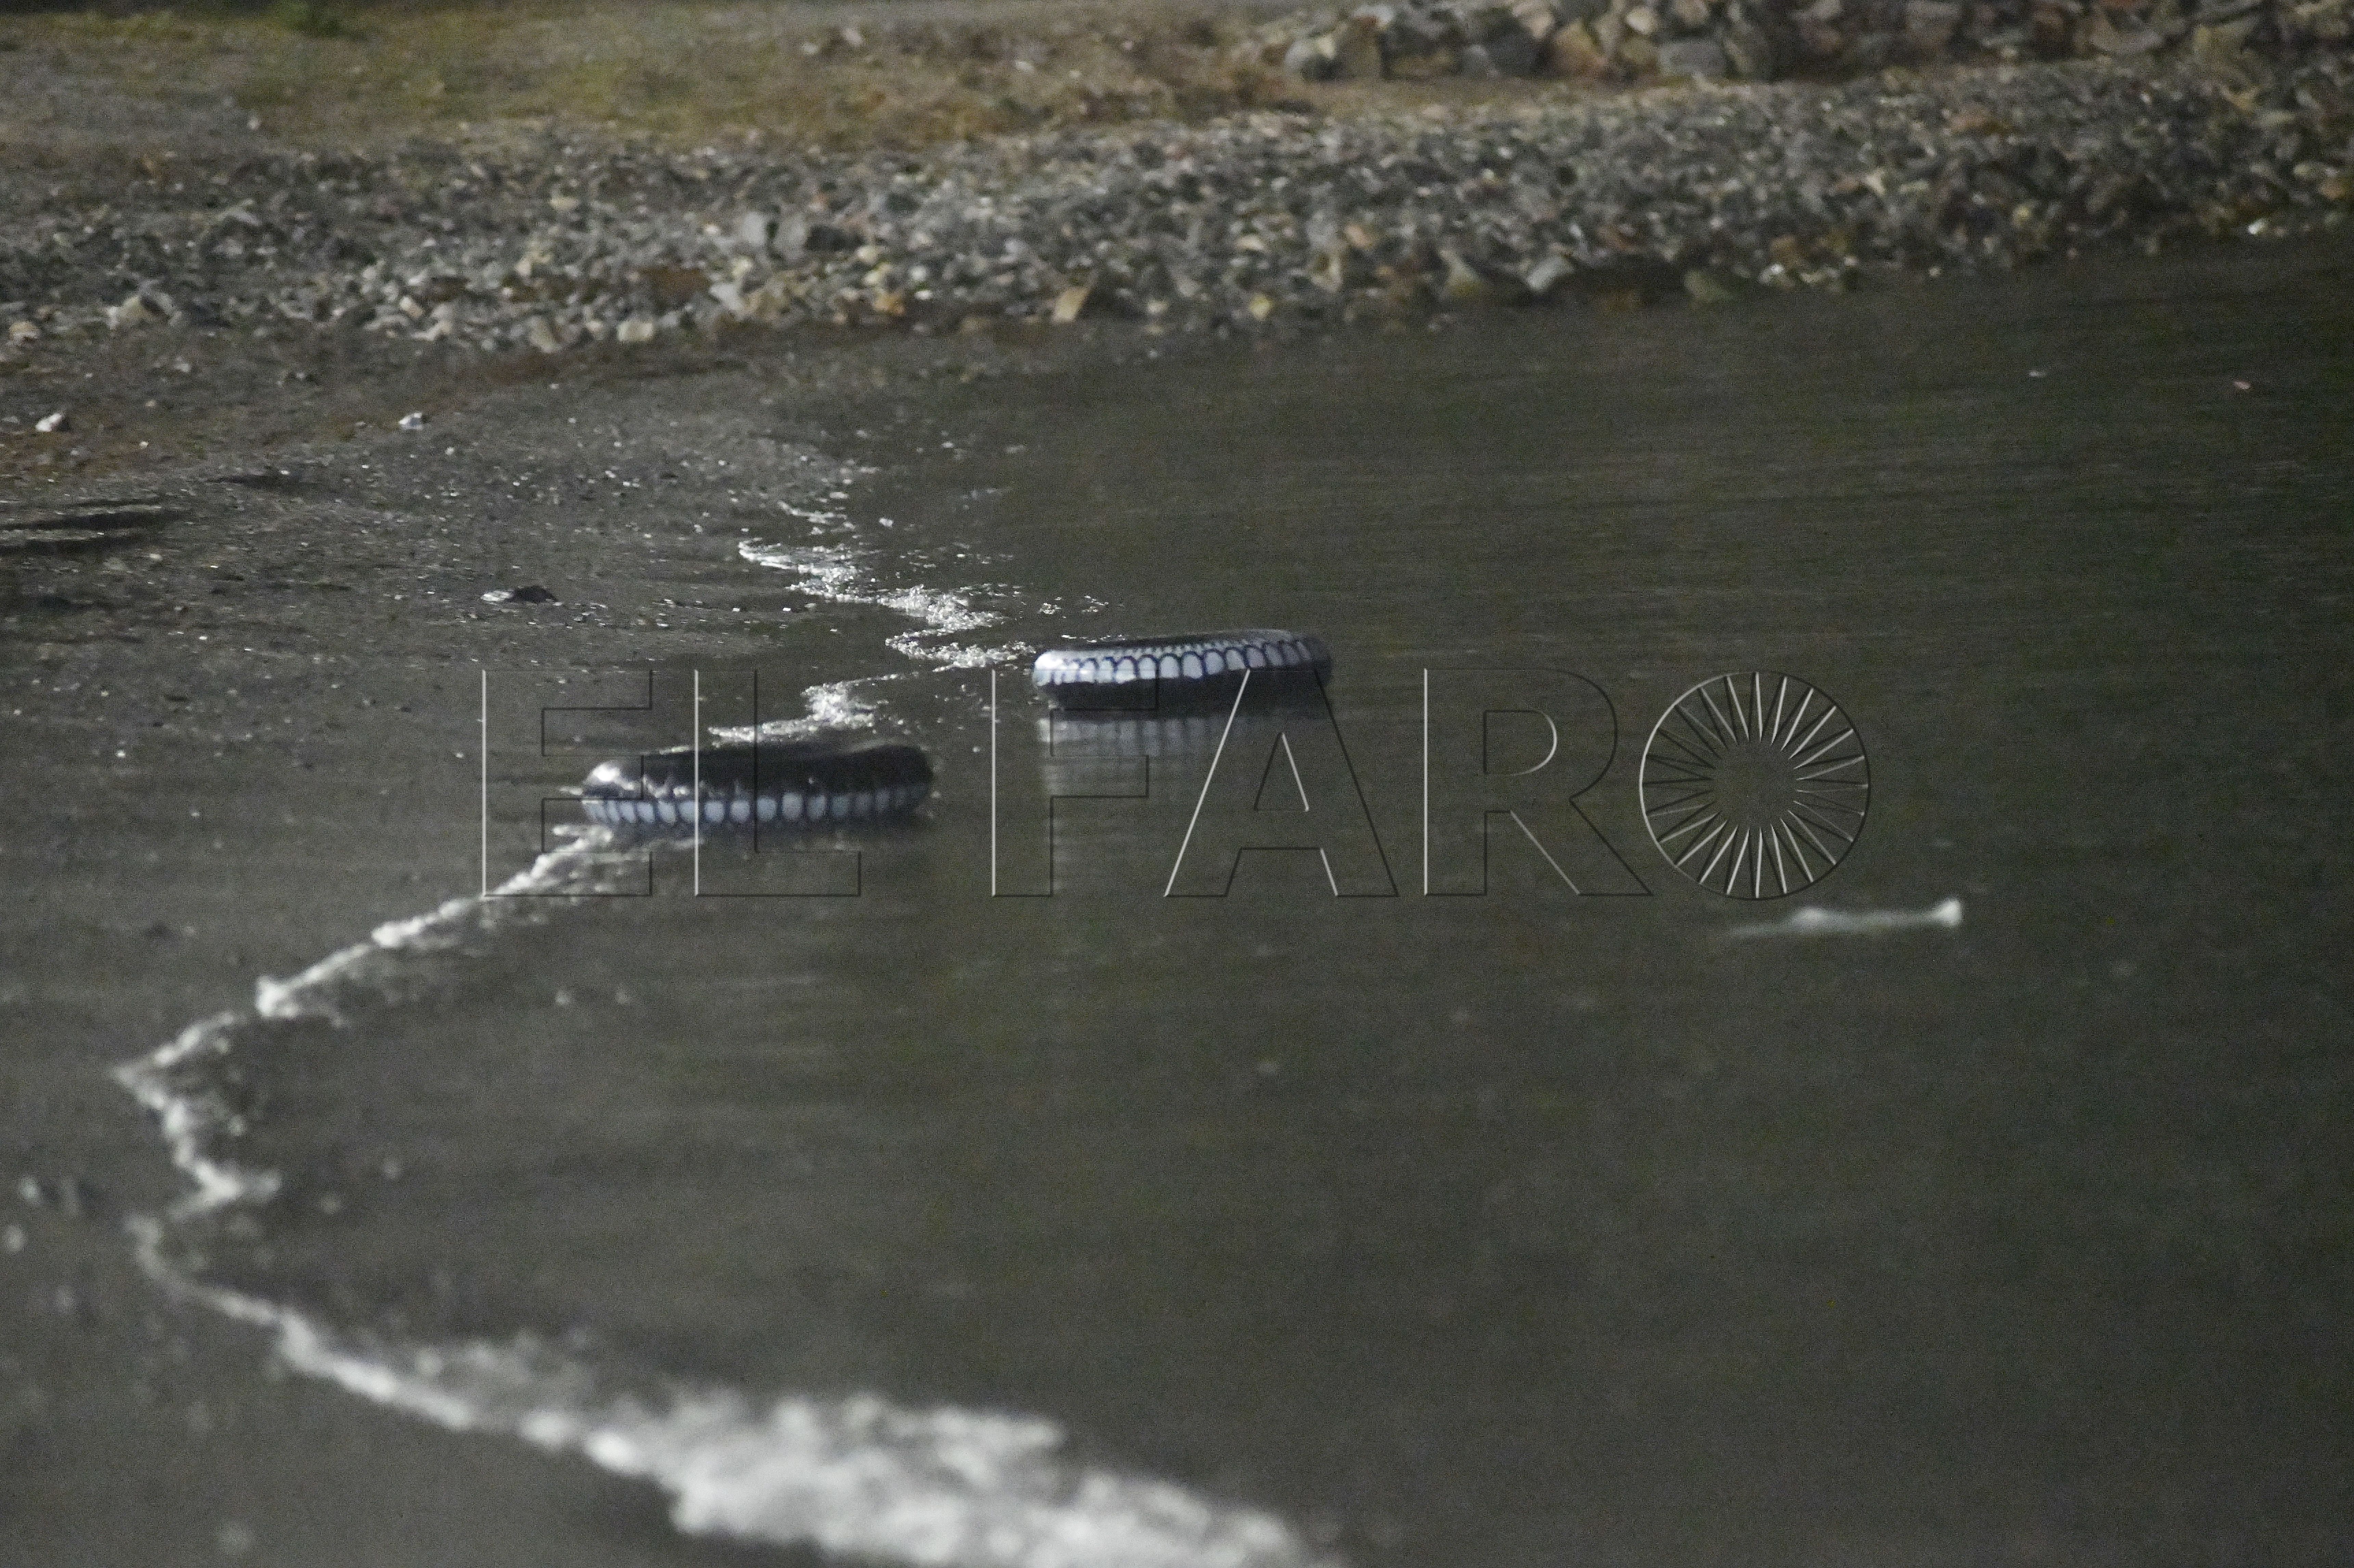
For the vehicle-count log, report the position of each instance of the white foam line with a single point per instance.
(955, 655)
(195, 1120)
(831, 706)
(834, 572)
(859, 1477)
(1814, 922)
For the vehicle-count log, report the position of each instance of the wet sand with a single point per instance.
(250, 744)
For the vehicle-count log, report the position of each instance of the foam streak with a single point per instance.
(1814, 922)
(861, 1477)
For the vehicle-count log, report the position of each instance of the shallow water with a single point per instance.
(1994, 1215)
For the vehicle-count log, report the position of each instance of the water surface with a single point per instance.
(1532, 1228)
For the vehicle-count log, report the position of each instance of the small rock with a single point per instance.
(1706, 288)
(1642, 21)
(542, 337)
(2121, 35)
(1515, 51)
(1691, 16)
(1929, 25)
(1749, 52)
(1549, 270)
(412, 421)
(1313, 59)
(674, 287)
(1357, 49)
(752, 230)
(531, 593)
(23, 332)
(1700, 59)
(2054, 28)
(1573, 52)
(1070, 302)
(52, 424)
(1537, 19)
(1467, 285)
(637, 329)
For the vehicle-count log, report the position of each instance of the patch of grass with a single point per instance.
(686, 70)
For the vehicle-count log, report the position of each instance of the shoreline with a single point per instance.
(526, 247)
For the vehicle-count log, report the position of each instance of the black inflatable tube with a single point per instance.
(781, 783)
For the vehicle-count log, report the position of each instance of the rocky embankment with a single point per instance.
(1264, 219)
(1766, 40)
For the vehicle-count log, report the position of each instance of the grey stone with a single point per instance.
(1548, 270)
(1699, 57)
(1313, 59)
(1514, 51)
(1707, 287)
(1357, 49)
(1749, 52)
(2126, 36)
(1537, 18)
(1929, 25)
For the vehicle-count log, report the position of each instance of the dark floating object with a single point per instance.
(785, 783)
(530, 593)
(1176, 672)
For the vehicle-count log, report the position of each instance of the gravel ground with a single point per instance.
(1763, 40)
(543, 243)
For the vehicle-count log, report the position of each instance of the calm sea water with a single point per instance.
(1649, 1225)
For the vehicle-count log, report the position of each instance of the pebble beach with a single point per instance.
(540, 240)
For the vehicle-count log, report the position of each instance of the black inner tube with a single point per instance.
(788, 783)
(1141, 673)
